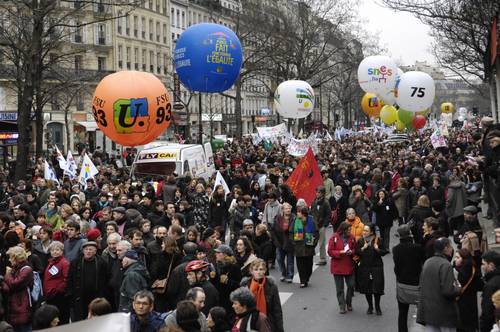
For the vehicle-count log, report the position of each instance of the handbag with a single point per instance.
(160, 286)
(408, 294)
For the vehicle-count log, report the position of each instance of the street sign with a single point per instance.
(177, 89)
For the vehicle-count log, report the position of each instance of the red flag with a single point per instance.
(493, 42)
(306, 178)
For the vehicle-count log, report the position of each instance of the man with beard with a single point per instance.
(178, 284)
(110, 256)
(154, 248)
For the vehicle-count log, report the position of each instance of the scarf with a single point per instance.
(257, 290)
(299, 234)
(337, 197)
(50, 213)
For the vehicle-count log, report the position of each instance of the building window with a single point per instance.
(120, 56)
(78, 63)
(164, 33)
(143, 27)
(127, 25)
(127, 57)
(165, 64)
(101, 63)
(78, 32)
(183, 19)
(119, 23)
(158, 31)
(136, 26)
(136, 58)
(172, 22)
(151, 61)
(80, 106)
(178, 18)
(101, 34)
(144, 60)
(151, 30)
(150, 4)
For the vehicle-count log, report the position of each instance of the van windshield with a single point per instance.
(161, 168)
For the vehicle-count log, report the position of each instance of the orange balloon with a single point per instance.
(132, 107)
(371, 105)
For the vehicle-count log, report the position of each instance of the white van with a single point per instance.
(168, 158)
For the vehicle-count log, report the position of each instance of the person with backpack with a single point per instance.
(55, 279)
(17, 286)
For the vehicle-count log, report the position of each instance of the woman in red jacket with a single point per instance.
(55, 279)
(341, 249)
(18, 280)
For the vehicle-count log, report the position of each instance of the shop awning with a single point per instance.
(89, 125)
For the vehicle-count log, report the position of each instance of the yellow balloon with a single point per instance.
(371, 104)
(447, 108)
(389, 114)
(400, 125)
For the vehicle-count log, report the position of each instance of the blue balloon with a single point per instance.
(208, 58)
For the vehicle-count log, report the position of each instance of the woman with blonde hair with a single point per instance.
(18, 279)
(417, 216)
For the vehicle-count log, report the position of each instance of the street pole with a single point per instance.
(321, 104)
(497, 76)
(200, 123)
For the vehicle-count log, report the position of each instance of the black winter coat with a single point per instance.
(416, 218)
(467, 303)
(408, 260)
(371, 268)
(230, 268)
(80, 295)
(385, 212)
(492, 284)
(273, 303)
(219, 212)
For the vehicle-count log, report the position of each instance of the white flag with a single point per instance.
(60, 158)
(70, 166)
(88, 170)
(219, 179)
(48, 173)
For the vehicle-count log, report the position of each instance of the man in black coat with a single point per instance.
(321, 214)
(178, 285)
(87, 280)
(408, 260)
(491, 269)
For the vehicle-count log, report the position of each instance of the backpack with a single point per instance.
(36, 291)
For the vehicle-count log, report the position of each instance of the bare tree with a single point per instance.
(32, 43)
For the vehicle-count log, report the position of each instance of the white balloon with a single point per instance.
(416, 91)
(389, 98)
(294, 99)
(377, 74)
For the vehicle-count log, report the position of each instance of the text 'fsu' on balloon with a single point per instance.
(131, 107)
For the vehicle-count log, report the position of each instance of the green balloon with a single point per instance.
(406, 117)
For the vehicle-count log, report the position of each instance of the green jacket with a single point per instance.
(135, 278)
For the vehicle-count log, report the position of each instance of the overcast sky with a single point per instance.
(405, 37)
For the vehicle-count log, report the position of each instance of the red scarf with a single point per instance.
(258, 291)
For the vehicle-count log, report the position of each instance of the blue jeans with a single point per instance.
(286, 270)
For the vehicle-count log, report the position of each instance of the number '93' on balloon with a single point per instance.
(131, 108)
(208, 58)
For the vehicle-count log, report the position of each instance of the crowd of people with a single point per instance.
(179, 254)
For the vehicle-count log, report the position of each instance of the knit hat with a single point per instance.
(132, 254)
(93, 234)
(207, 233)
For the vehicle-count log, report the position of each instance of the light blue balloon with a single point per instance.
(208, 58)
